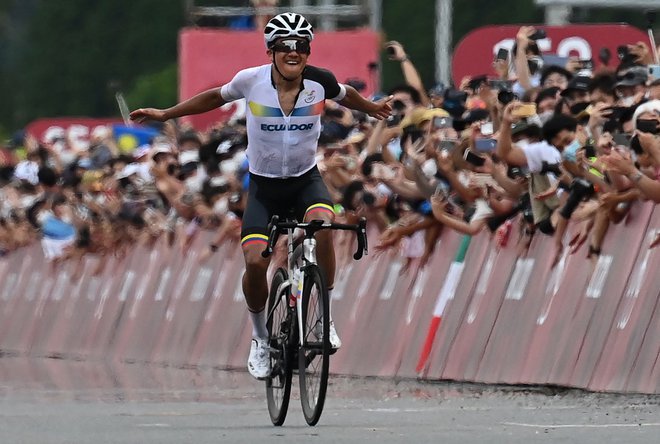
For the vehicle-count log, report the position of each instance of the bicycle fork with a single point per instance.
(298, 276)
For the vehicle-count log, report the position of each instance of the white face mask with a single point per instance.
(228, 167)
(628, 101)
(545, 116)
(194, 184)
(221, 206)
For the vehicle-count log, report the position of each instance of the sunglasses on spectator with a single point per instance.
(287, 46)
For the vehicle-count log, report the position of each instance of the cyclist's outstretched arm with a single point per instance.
(380, 110)
(201, 103)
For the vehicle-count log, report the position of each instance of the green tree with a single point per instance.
(80, 50)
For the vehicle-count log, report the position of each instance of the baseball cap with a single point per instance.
(634, 76)
(577, 83)
(159, 148)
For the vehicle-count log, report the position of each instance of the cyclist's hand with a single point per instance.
(143, 114)
(382, 109)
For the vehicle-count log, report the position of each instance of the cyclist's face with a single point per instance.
(290, 55)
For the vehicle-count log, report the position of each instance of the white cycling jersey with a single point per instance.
(281, 145)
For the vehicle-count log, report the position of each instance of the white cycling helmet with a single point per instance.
(287, 24)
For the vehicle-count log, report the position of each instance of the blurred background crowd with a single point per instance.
(518, 152)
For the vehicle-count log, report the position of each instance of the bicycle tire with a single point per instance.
(314, 355)
(278, 385)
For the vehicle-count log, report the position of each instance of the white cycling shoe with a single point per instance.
(335, 342)
(259, 360)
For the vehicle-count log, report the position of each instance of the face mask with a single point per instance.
(228, 167)
(570, 150)
(628, 101)
(545, 116)
(194, 184)
(220, 206)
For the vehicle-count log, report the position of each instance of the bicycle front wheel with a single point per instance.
(314, 353)
(280, 329)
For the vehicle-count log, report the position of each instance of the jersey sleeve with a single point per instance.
(333, 89)
(238, 86)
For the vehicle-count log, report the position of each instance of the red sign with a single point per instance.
(210, 58)
(474, 55)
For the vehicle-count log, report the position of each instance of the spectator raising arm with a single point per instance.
(520, 57)
(397, 53)
(506, 150)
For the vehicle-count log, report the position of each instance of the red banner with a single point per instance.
(210, 58)
(474, 55)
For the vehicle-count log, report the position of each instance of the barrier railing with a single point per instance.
(473, 313)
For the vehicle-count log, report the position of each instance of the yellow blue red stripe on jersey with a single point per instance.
(260, 110)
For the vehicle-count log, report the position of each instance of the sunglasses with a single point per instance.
(287, 46)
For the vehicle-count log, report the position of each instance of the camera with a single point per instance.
(500, 84)
(393, 120)
(473, 159)
(485, 145)
(506, 96)
(538, 35)
(440, 122)
(624, 54)
(502, 54)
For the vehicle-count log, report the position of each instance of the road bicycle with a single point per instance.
(298, 319)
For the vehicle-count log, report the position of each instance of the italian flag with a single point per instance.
(446, 294)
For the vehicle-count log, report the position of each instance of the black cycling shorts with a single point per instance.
(268, 196)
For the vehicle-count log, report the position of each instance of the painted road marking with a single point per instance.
(581, 426)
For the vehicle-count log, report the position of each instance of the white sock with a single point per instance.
(329, 304)
(259, 329)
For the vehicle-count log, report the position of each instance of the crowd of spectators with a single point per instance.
(524, 150)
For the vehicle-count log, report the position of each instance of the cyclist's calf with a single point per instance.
(255, 285)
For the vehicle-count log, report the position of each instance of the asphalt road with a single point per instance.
(58, 401)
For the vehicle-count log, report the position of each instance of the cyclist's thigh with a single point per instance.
(313, 198)
(258, 211)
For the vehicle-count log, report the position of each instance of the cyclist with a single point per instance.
(285, 101)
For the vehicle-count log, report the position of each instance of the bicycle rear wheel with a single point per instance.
(280, 329)
(314, 353)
